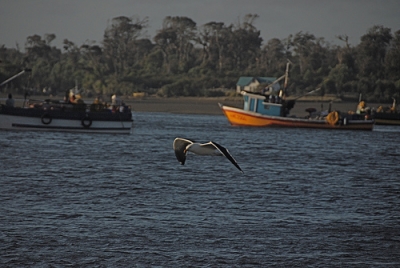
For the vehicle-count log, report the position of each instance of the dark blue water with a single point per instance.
(308, 197)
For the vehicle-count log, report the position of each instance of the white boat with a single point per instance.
(65, 116)
(59, 116)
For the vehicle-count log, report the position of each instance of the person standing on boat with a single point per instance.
(10, 100)
(115, 100)
(72, 99)
(115, 103)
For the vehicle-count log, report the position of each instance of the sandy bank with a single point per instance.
(188, 105)
(198, 105)
(183, 105)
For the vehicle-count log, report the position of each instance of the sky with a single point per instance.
(84, 21)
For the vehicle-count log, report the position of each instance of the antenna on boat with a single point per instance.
(310, 92)
(25, 96)
(15, 76)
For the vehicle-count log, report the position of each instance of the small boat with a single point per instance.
(384, 118)
(51, 115)
(65, 116)
(259, 111)
(381, 115)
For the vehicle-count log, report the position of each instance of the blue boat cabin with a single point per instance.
(262, 104)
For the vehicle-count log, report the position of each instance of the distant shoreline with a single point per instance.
(193, 105)
(205, 105)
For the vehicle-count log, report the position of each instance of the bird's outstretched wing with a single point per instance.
(179, 146)
(226, 153)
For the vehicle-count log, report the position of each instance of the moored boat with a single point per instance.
(66, 117)
(70, 115)
(382, 116)
(257, 111)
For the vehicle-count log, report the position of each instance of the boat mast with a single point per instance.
(283, 92)
(286, 75)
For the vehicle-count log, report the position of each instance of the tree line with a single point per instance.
(184, 59)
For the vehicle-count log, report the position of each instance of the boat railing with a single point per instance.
(79, 106)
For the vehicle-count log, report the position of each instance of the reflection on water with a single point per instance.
(307, 198)
(384, 128)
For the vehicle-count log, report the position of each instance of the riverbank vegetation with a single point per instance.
(186, 59)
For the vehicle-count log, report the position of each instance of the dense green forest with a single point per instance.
(184, 59)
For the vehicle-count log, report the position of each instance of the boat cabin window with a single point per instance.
(250, 104)
(253, 104)
(246, 103)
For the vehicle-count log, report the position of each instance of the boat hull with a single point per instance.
(27, 119)
(240, 117)
(388, 122)
(387, 118)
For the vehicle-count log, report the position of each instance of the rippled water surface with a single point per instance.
(308, 197)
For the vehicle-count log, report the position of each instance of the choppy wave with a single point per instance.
(307, 198)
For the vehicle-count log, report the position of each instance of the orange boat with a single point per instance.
(260, 111)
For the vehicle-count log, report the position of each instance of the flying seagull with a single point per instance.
(182, 146)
